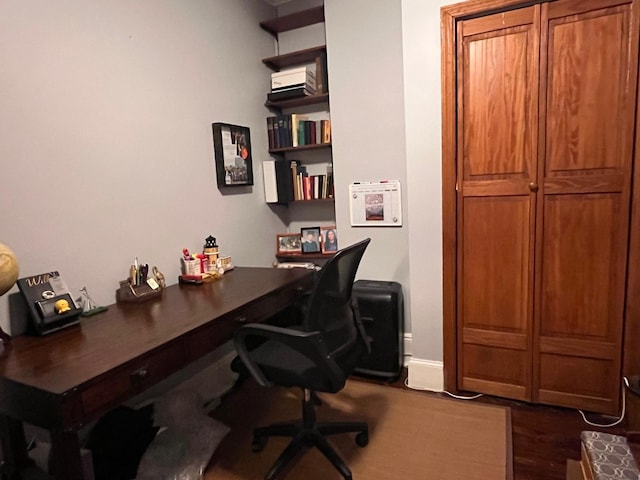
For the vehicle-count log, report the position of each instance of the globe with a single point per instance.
(9, 269)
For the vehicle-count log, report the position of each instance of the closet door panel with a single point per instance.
(585, 91)
(578, 351)
(581, 239)
(585, 385)
(579, 281)
(496, 81)
(495, 259)
(497, 145)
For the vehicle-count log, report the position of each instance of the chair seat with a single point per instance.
(292, 369)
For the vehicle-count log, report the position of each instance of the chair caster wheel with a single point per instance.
(258, 444)
(362, 439)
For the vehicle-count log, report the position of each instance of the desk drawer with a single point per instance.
(137, 376)
(215, 333)
(219, 331)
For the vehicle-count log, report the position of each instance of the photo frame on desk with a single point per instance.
(288, 243)
(232, 154)
(310, 239)
(329, 239)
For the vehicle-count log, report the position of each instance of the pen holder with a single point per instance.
(140, 293)
(191, 267)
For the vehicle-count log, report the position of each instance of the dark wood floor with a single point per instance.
(545, 437)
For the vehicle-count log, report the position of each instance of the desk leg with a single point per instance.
(65, 462)
(14, 447)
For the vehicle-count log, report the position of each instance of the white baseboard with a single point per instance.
(425, 375)
(407, 349)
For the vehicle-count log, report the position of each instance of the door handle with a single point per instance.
(533, 187)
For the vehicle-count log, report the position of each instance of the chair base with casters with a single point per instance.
(309, 433)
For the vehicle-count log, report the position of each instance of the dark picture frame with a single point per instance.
(329, 239)
(232, 150)
(310, 239)
(288, 243)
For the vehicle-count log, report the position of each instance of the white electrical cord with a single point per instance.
(584, 418)
(624, 405)
(406, 384)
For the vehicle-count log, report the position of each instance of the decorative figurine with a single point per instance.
(211, 251)
(89, 307)
(210, 242)
(159, 277)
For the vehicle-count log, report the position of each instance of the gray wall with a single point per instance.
(421, 53)
(385, 105)
(106, 149)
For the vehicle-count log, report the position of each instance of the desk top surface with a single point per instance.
(69, 357)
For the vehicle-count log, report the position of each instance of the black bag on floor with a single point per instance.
(118, 440)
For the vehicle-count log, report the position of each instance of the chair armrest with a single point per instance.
(309, 344)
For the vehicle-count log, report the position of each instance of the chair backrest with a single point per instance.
(330, 309)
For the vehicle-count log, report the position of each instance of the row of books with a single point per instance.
(296, 130)
(288, 180)
(311, 187)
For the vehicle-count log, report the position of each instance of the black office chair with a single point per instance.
(317, 357)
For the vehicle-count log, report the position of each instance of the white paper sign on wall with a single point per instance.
(376, 204)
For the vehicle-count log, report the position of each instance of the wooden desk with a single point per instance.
(65, 380)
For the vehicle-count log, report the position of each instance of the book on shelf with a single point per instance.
(325, 134)
(297, 130)
(278, 182)
(271, 132)
(322, 81)
(294, 180)
(270, 181)
(283, 130)
(308, 186)
(296, 120)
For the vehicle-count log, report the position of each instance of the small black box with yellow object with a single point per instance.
(51, 306)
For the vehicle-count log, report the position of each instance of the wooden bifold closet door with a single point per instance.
(545, 105)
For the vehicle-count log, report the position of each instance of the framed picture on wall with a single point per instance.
(232, 150)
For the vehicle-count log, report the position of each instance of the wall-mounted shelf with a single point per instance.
(305, 256)
(295, 20)
(315, 146)
(294, 58)
(313, 200)
(298, 102)
(306, 121)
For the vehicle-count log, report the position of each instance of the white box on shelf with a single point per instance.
(299, 76)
